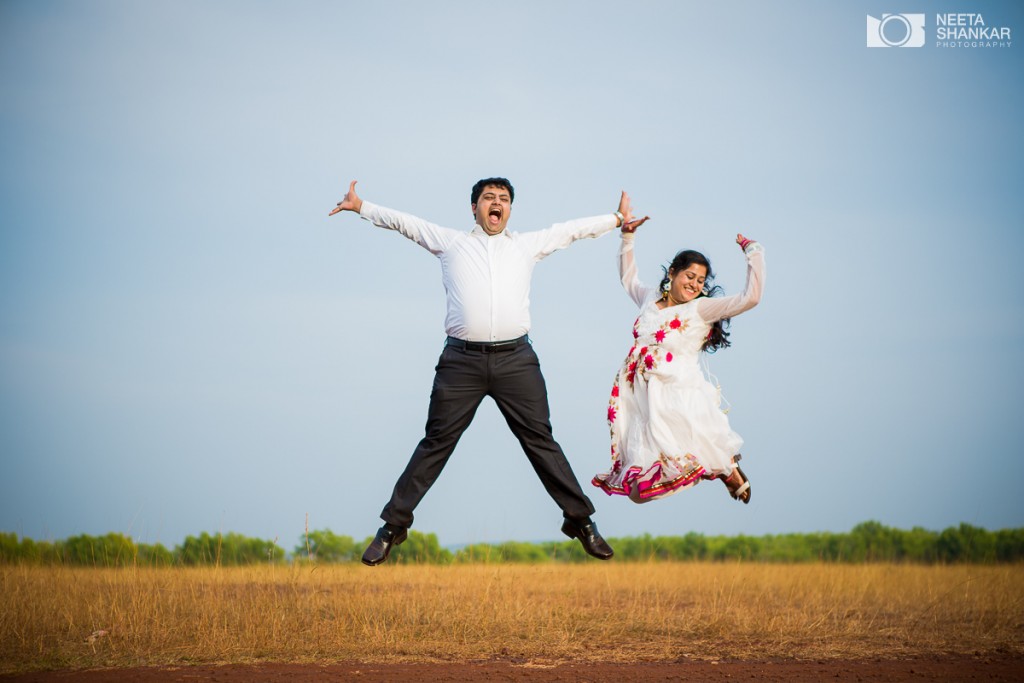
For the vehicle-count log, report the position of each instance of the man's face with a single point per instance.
(493, 208)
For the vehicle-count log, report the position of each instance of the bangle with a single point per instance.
(745, 243)
(621, 219)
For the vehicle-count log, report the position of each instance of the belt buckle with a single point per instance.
(505, 345)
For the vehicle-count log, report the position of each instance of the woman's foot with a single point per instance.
(737, 483)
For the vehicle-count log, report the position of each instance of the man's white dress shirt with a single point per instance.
(487, 277)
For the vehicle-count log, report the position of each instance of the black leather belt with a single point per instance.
(488, 347)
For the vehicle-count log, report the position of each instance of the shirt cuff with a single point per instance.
(365, 208)
(753, 248)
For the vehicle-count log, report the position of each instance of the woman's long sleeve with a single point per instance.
(628, 273)
(717, 308)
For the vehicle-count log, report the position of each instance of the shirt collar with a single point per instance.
(477, 230)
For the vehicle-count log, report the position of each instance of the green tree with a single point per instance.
(634, 548)
(966, 543)
(155, 555)
(510, 551)
(918, 545)
(874, 542)
(229, 550)
(786, 548)
(1010, 545)
(736, 548)
(112, 550)
(419, 548)
(40, 552)
(10, 548)
(326, 546)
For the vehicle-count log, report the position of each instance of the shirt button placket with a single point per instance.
(491, 245)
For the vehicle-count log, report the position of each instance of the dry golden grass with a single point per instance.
(610, 612)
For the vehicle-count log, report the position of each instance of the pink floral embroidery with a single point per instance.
(611, 413)
(615, 390)
(650, 355)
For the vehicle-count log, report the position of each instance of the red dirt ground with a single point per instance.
(1008, 669)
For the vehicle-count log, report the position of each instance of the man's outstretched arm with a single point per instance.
(561, 235)
(433, 238)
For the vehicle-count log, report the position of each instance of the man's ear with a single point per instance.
(473, 209)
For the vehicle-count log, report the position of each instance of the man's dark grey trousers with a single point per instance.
(462, 379)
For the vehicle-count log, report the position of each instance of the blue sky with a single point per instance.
(188, 343)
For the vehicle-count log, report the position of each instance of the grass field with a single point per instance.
(609, 612)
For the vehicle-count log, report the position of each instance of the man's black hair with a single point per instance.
(500, 182)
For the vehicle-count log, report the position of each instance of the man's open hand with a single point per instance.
(351, 202)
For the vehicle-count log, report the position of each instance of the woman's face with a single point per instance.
(686, 285)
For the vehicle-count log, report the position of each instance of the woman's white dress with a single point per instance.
(667, 428)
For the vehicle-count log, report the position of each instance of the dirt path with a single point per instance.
(997, 669)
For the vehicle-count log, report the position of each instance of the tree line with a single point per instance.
(866, 542)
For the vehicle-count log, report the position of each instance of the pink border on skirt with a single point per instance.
(647, 482)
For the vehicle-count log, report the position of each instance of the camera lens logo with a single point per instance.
(896, 30)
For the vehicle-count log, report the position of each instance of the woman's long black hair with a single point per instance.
(717, 338)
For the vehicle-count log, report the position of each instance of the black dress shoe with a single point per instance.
(380, 548)
(589, 537)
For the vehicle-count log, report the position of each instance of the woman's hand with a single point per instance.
(630, 225)
(742, 241)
